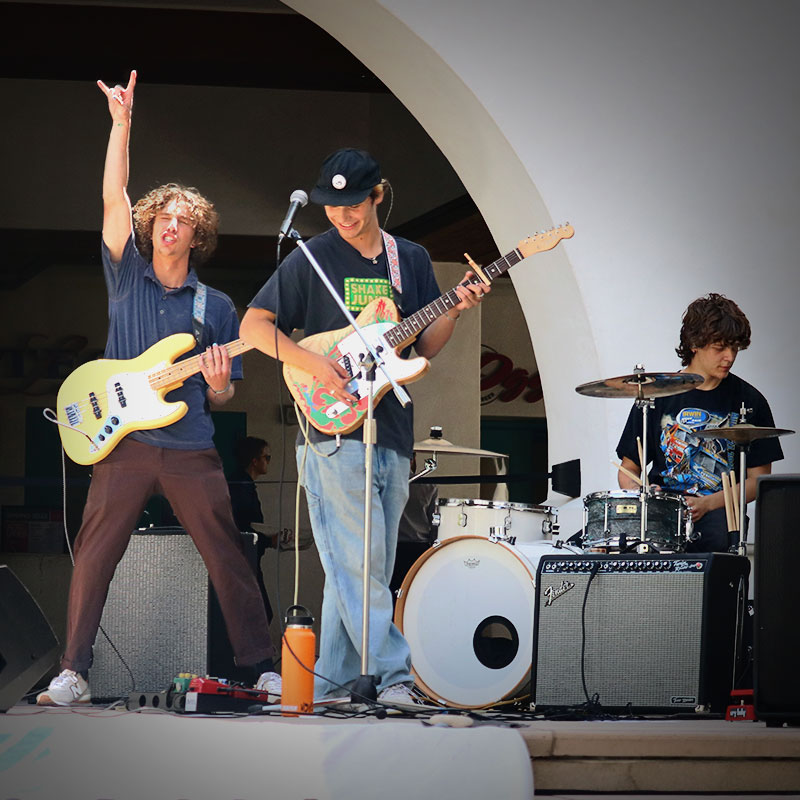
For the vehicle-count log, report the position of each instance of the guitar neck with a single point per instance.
(410, 328)
(177, 373)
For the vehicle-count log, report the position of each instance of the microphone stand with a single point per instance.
(364, 686)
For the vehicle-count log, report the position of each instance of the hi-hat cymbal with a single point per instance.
(741, 433)
(443, 446)
(642, 384)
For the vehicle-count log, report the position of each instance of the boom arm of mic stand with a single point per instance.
(400, 392)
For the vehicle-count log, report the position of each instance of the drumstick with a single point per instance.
(641, 459)
(735, 498)
(726, 493)
(628, 473)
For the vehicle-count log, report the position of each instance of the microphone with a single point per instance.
(297, 200)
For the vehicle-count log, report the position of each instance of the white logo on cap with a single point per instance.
(338, 181)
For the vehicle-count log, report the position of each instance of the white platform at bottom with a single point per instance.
(85, 753)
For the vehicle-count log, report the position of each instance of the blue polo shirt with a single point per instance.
(141, 312)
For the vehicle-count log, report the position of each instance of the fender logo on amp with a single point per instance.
(552, 593)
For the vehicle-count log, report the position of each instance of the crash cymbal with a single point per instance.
(642, 384)
(438, 445)
(742, 433)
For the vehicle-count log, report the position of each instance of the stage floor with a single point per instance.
(96, 753)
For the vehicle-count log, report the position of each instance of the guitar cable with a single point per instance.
(51, 416)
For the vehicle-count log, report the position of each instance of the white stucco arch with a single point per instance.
(663, 132)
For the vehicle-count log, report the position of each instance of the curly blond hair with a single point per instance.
(201, 211)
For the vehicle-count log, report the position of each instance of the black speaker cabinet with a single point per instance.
(649, 633)
(776, 594)
(28, 646)
(162, 618)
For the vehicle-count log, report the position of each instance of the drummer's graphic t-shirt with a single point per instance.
(685, 463)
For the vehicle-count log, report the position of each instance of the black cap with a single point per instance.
(347, 177)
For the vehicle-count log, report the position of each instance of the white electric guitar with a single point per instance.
(388, 335)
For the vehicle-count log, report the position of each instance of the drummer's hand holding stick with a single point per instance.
(633, 476)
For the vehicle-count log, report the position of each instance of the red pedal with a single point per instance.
(743, 710)
(221, 687)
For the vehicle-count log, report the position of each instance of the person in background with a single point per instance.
(416, 532)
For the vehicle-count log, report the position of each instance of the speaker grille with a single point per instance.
(156, 615)
(645, 641)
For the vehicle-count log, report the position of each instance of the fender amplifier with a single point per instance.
(647, 633)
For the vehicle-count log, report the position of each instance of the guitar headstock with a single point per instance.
(545, 240)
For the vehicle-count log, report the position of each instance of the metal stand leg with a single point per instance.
(364, 688)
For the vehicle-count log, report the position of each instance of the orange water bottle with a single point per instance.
(298, 654)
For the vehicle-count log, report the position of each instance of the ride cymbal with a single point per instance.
(741, 433)
(642, 384)
(443, 446)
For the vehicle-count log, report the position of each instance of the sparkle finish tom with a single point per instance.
(608, 516)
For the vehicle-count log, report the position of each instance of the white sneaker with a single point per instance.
(271, 683)
(397, 693)
(64, 689)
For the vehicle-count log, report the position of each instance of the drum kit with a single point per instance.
(663, 519)
(466, 606)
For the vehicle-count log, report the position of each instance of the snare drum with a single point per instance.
(609, 515)
(466, 610)
(509, 522)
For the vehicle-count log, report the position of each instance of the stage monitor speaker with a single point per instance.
(776, 595)
(162, 617)
(28, 646)
(647, 633)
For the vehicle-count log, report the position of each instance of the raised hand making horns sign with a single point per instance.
(120, 101)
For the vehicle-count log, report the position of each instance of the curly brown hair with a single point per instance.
(204, 219)
(712, 319)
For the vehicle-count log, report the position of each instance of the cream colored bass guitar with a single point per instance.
(102, 401)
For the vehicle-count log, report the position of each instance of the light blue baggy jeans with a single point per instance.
(335, 491)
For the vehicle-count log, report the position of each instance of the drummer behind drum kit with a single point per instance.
(467, 605)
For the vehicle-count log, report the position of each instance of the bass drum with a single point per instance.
(466, 610)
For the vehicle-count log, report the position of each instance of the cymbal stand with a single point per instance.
(644, 403)
(741, 545)
(430, 465)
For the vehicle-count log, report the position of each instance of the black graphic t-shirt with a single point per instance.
(684, 463)
(301, 301)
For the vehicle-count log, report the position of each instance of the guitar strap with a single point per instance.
(199, 313)
(393, 261)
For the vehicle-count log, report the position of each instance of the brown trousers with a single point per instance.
(194, 484)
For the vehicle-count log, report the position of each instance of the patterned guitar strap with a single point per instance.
(393, 261)
(199, 313)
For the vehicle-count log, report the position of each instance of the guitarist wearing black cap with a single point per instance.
(364, 264)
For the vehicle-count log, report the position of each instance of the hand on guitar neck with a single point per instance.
(470, 293)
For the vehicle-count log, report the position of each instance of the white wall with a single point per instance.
(666, 133)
